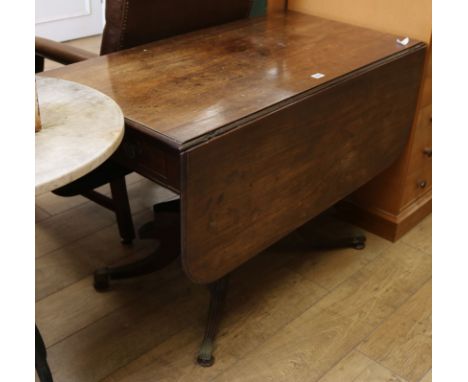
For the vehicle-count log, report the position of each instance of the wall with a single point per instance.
(411, 18)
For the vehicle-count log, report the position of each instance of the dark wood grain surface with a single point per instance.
(231, 118)
(188, 88)
(246, 189)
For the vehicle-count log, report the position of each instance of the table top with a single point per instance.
(189, 88)
(81, 128)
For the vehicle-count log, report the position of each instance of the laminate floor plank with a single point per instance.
(311, 344)
(420, 236)
(356, 367)
(328, 268)
(427, 377)
(63, 229)
(55, 204)
(133, 177)
(379, 288)
(71, 263)
(91, 43)
(150, 328)
(403, 343)
(129, 332)
(377, 373)
(40, 214)
(302, 351)
(256, 309)
(73, 218)
(79, 305)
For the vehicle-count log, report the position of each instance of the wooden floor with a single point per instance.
(293, 314)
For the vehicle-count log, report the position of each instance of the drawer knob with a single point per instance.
(422, 184)
(428, 152)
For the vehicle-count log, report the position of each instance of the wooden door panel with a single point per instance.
(66, 20)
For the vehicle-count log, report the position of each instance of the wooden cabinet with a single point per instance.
(420, 159)
(396, 200)
(276, 5)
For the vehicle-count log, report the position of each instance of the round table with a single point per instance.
(81, 128)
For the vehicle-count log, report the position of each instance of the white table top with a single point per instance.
(81, 128)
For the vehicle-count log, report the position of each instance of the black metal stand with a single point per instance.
(218, 291)
(166, 230)
(42, 367)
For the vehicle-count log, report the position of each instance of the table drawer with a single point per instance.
(149, 157)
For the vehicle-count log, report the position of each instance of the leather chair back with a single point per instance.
(131, 23)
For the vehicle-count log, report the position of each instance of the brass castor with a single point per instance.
(205, 362)
(359, 243)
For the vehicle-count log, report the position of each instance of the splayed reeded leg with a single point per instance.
(218, 292)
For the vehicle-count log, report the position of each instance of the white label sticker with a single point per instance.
(403, 41)
(317, 75)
